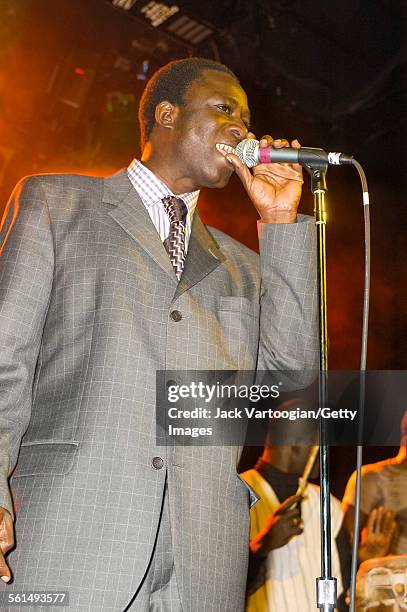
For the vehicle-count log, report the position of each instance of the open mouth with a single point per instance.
(224, 147)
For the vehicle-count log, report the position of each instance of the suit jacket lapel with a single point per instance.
(131, 214)
(203, 256)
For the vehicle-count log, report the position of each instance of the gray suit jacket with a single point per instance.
(86, 290)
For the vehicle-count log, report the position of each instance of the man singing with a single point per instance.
(102, 283)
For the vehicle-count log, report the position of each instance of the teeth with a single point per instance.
(224, 147)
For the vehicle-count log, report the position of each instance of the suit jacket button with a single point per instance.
(157, 463)
(176, 315)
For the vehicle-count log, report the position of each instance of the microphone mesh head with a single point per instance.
(248, 152)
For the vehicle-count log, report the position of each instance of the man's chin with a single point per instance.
(221, 180)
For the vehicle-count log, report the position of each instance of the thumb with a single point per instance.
(6, 542)
(241, 169)
(5, 573)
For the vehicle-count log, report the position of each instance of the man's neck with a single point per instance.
(158, 163)
(278, 458)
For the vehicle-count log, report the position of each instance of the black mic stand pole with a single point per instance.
(326, 585)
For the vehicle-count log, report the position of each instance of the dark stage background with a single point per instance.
(333, 74)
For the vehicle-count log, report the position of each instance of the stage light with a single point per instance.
(190, 30)
(124, 4)
(158, 12)
(170, 18)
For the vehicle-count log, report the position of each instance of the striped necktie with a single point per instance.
(175, 242)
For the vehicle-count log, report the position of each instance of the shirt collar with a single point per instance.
(152, 189)
(276, 477)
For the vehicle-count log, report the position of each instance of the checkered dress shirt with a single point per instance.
(151, 191)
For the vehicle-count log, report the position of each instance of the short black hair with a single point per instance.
(171, 83)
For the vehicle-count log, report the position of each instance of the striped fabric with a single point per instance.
(291, 570)
(152, 191)
(175, 243)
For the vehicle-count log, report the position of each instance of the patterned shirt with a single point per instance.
(286, 582)
(151, 190)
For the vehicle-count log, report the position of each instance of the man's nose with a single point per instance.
(239, 130)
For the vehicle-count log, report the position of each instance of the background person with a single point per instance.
(285, 542)
(383, 504)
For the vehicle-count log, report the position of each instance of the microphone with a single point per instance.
(251, 154)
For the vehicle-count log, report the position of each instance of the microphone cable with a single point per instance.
(363, 357)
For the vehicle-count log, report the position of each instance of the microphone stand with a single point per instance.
(326, 584)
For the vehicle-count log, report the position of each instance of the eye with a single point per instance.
(225, 108)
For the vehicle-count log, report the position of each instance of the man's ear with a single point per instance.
(166, 114)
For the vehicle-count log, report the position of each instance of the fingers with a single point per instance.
(380, 521)
(284, 171)
(278, 143)
(291, 522)
(291, 514)
(389, 527)
(240, 168)
(371, 522)
(382, 518)
(388, 521)
(5, 573)
(6, 542)
(288, 503)
(377, 525)
(294, 527)
(296, 523)
(296, 530)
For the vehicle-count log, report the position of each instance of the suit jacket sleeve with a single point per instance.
(289, 314)
(26, 275)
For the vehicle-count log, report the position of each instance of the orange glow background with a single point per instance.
(43, 45)
(33, 49)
